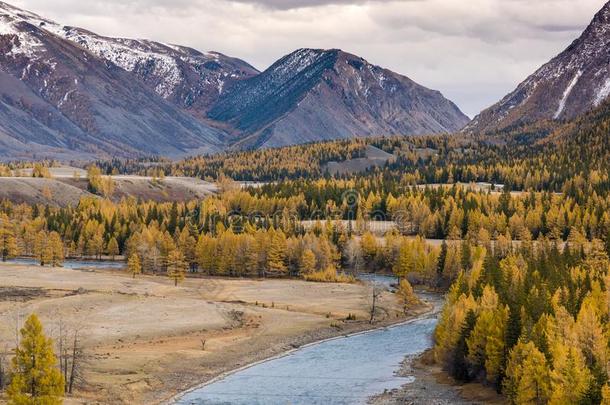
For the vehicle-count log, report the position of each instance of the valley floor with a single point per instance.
(146, 340)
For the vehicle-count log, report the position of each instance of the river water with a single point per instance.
(73, 264)
(347, 370)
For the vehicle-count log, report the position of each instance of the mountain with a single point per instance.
(69, 93)
(312, 95)
(59, 98)
(190, 79)
(571, 84)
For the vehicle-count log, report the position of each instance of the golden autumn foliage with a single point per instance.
(406, 295)
(35, 378)
(133, 265)
(523, 329)
(329, 275)
(176, 266)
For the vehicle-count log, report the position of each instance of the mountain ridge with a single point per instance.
(330, 94)
(575, 81)
(95, 106)
(68, 90)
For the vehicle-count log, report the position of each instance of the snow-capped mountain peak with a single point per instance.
(174, 72)
(69, 89)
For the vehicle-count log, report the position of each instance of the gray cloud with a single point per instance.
(295, 4)
(473, 51)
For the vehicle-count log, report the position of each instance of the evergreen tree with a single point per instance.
(466, 256)
(460, 367)
(440, 264)
(36, 380)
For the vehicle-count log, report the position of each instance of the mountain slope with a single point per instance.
(313, 95)
(190, 79)
(585, 140)
(58, 97)
(571, 84)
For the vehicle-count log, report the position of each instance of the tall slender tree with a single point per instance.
(176, 266)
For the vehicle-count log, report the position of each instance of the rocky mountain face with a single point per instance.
(57, 96)
(68, 93)
(190, 79)
(312, 95)
(574, 82)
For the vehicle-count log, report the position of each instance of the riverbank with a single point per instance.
(146, 341)
(431, 385)
(305, 367)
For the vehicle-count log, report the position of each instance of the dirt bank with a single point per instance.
(433, 386)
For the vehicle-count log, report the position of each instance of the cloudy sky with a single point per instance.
(474, 51)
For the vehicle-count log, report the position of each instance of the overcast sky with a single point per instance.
(474, 51)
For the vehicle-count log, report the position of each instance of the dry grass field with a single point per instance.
(65, 188)
(143, 337)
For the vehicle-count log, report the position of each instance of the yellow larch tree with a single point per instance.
(8, 242)
(56, 247)
(307, 264)
(570, 377)
(276, 256)
(133, 265)
(527, 376)
(112, 248)
(406, 295)
(36, 379)
(176, 266)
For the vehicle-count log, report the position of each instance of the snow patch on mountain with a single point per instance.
(23, 43)
(130, 55)
(299, 61)
(163, 62)
(566, 94)
(602, 93)
(584, 66)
